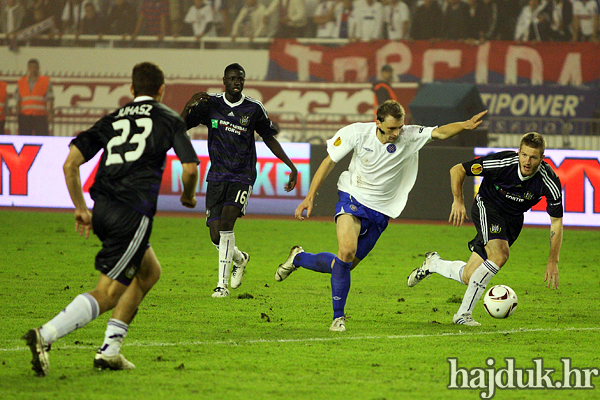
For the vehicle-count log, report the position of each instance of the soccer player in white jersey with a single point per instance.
(374, 189)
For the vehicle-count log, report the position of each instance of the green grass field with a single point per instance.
(270, 340)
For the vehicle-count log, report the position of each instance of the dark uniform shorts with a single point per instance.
(124, 234)
(492, 223)
(220, 194)
(373, 223)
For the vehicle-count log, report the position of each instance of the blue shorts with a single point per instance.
(373, 223)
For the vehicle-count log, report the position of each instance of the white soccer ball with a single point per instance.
(500, 301)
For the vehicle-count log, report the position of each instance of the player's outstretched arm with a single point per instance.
(307, 204)
(449, 130)
(458, 213)
(189, 178)
(83, 216)
(275, 147)
(556, 235)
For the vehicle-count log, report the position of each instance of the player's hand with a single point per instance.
(197, 98)
(292, 181)
(458, 214)
(83, 222)
(188, 202)
(475, 121)
(305, 205)
(551, 276)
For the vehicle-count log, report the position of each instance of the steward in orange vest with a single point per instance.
(34, 102)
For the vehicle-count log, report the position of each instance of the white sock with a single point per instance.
(448, 269)
(226, 250)
(479, 280)
(83, 309)
(113, 337)
(238, 257)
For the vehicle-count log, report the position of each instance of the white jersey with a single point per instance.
(380, 176)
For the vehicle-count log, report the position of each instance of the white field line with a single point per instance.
(338, 337)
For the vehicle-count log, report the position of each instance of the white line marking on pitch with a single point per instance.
(321, 339)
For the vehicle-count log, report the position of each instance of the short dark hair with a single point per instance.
(534, 140)
(387, 67)
(33, 61)
(390, 107)
(234, 66)
(147, 78)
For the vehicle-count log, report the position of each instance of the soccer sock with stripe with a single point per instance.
(448, 269)
(320, 262)
(340, 286)
(83, 309)
(477, 284)
(226, 249)
(113, 337)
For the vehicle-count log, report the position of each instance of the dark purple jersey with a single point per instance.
(512, 193)
(231, 128)
(135, 139)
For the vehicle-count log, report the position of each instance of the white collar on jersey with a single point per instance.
(233, 104)
(142, 98)
(525, 178)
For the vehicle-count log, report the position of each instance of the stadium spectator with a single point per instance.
(292, 17)
(382, 172)
(221, 16)
(345, 22)
(427, 21)
(561, 20)
(513, 182)
(120, 15)
(585, 21)
(72, 15)
(232, 119)
(397, 17)
(35, 102)
(11, 17)
(249, 22)
(456, 22)
(369, 20)
(201, 17)
(324, 19)
(382, 88)
(485, 19)
(508, 12)
(92, 22)
(533, 23)
(125, 197)
(153, 19)
(3, 106)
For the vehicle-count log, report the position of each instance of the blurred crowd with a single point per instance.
(355, 20)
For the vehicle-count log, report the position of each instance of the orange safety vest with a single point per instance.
(34, 102)
(2, 100)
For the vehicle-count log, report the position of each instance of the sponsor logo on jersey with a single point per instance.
(495, 228)
(338, 141)
(214, 123)
(476, 169)
(367, 149)
(391, 148)
(244, 120)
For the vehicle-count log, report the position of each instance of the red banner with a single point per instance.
(498, 62)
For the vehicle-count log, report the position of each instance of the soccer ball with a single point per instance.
(500, 301)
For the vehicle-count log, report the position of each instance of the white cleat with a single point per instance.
(338, 325)
(423, 271)
(39, 351)
(465, 319)
(115, 363)
(284, 270)
(237, 272)
(220, 292)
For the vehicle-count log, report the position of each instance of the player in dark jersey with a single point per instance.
(135, 140)
(232, 118)
(513, 182)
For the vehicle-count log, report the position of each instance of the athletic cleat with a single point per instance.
(465, 319)
(39, 351)
(237, 272)
(423, 271)
(338, 325)
(220, 292)
(284, 270)
(115, 363)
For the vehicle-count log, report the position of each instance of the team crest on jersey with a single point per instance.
(244, 120)
(476, 169)
(338, 141)
(495, 228)
(391, 148)
(529, 196)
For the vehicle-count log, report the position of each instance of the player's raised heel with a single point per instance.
(423, 271)
(237, 272)
(284, 270)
